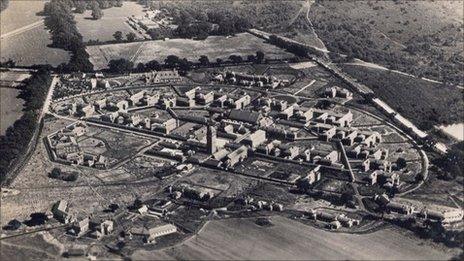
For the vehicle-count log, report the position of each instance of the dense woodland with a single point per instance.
(426, 54)
(16, 139)
(204, 18)
(426, 103)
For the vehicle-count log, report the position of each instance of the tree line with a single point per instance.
(60, 21)
(15, 141)
(183, 64)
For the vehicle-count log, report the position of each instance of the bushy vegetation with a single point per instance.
(425, 103)
(16, 139)
(60, 21)
(183, 64)
(435, 54)
(57, 173)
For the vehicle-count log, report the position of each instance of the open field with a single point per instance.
(28, 45)
(20, 14)
(10, 108)
(214, 47)
(113, 20)
(424, 103)
(290, 240)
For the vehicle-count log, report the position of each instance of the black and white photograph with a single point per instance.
(231, 130)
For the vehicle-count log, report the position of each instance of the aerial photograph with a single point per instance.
(231, 130)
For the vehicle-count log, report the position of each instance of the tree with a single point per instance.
(259, 56)
(153, 65)
(236, 58)
(204, 60)
(401, 163)
(118, 36)
(81, 6)
(130, 37)
(120, 66)
(303, 184)
(251, 58)
(185, 64)
(118, 3)
(97, 13)
(56, 173)
(140, 67)
(171, 61)
(219, 61)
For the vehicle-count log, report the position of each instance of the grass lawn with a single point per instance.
(114, 19)
(214, 47)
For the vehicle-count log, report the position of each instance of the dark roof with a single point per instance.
(245, 116)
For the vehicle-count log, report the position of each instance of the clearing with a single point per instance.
(114, 19)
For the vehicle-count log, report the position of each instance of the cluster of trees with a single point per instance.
(118, 36)
(452, 163)
(60, 21)
(57, 173)
(4, 4)
(8, 64)
(15, 141)
(183, 64)
(96, 6)
(226, 17)
(213, 22)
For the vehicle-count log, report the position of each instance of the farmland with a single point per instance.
(289, 240)
(214, 47)
(23, 13)
(28, 46)
(113, 20)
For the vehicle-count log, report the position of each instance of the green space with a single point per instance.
(423, 102)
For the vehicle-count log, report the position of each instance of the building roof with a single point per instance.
(245, 116)
(160, 229)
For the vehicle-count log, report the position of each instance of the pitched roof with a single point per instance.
(245, 116)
